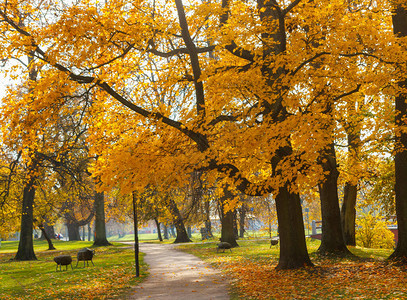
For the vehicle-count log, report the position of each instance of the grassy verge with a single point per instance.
(251, 270)
(149, 237)
(111, 278)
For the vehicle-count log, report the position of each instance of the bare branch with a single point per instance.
(179, 51)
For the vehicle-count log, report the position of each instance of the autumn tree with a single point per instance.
(226, 87)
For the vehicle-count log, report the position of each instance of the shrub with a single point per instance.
(372, 232)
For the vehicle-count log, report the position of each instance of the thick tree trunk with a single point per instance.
(227, 231)
(293, 248)
(100, 225)
(182, 235)
(157, 224)
(332, 241)
(400, 253)
(348, 213)
(45, 235)
(73, 231)
(26, 244)
(227, 219)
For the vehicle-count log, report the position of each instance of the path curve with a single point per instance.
(176, 275)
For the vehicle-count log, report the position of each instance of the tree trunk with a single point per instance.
(208, 224)
(89, 232)
(227, 231)
(348, 213)
(158, 229)
(172, 231)
(166, 235)
(73, 231)
(400, 253)
(45, 235)
(26, 244)
(182, 235)
(235, 227)
(242, 220)
(227, 219)
(293, 248)
(332, 241)
(49, 231)
(100, 225)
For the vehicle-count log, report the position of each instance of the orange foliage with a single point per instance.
(333, 280)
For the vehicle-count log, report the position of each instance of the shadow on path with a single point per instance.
(176, 275)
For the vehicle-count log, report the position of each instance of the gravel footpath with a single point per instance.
(176, 275)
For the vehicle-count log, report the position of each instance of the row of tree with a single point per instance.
(256, 96)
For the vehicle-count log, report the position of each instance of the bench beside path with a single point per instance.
(177, 275)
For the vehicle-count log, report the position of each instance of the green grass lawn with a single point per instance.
(149, 237)
(112, 276)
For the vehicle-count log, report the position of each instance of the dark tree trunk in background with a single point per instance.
(73, 225)
(227, 219)
(293, 248)
(172, 231)
(332, 241)
(157, 224)
(227, 231)
(100, 225)
(348, 213)
(242, 220)
(166, 235)
(208, 224)
(49, 231)
(45, 235)
(182, 235)
(26, 244)
(89, 232)
(73, 231)
(235, 227)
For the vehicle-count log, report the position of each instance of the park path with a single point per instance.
(176, 275)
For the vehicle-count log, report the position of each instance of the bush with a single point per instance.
(372, 232)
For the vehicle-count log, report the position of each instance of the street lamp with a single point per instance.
(136, 243)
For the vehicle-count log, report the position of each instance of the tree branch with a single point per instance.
(232, 47)
(179, 51)
(193, 54)
(291, 6)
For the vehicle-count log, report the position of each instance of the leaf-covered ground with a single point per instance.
(251, 268)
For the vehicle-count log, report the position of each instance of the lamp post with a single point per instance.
(136, 243)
